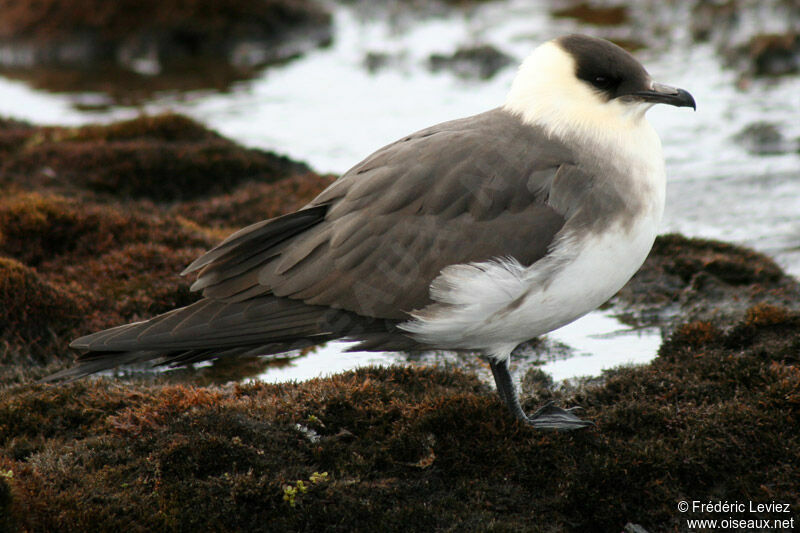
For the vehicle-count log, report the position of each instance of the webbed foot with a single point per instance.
(549, 416)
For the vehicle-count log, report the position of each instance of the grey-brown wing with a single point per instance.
(463, 191)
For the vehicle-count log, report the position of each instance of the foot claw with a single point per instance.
(549, 416)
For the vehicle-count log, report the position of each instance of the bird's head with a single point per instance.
(580, 83)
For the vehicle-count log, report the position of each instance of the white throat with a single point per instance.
(547, 93)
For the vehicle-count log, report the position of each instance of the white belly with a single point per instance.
(602, 267)
(497, 305)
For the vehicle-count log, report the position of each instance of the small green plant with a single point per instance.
(290, 492)
(316, 477)
(9, 474)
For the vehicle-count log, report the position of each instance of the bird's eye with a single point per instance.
(601, 82)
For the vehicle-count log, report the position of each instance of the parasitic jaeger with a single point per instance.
(475, 234)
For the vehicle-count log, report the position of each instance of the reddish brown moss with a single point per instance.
(772, 54)
(766, 315)
(13, 134)
(123, 87)
(255, 201)
(107, 267)
(732, 264)
(133, 283)
(121, 258)
(169, 127)
(696, 334)
(595, 14)
(38, 229)
(7, 522)
(32, 311)
(164, 158)
(96, 46)
(168, 403)
(768, 330)
(703, 421)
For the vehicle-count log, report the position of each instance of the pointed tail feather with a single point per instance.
(210, 329)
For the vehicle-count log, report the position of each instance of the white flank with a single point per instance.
(485, 314)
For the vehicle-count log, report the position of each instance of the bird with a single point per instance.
(476, 235)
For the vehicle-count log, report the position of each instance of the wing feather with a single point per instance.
(468, 190)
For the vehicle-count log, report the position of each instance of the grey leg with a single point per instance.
(547, 417)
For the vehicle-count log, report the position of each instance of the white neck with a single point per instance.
(546, 93)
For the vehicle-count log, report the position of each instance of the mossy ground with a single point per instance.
(687, 279)
(161, 158)
(90, 241)
(714, 417)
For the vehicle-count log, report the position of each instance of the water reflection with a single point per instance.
(586, 347)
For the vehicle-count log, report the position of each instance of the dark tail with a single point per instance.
(211, 329)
